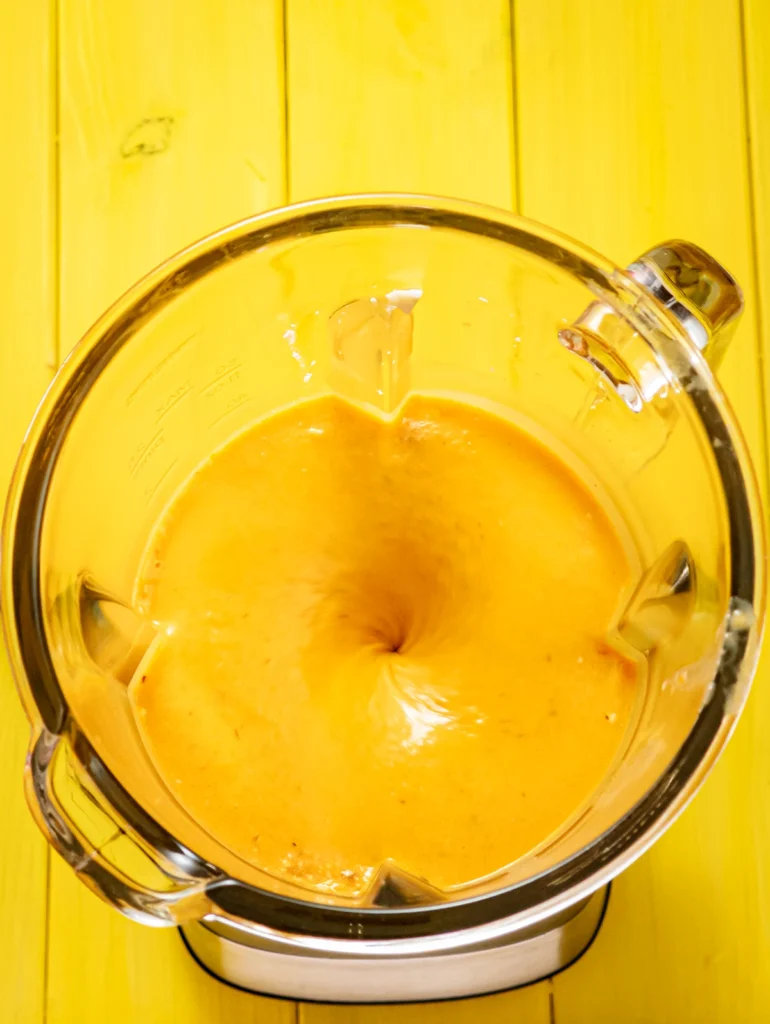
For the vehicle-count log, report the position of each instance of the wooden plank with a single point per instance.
(413, 97)
(756, 46)
(27, 221)
(394, 96)
(171, 126)
(631, 131)
(27, 340)
(525, 1006)
(756, 37)
(105, 968)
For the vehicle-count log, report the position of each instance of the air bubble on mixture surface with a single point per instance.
(371, 348)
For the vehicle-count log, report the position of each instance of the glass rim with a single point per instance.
(578, 875)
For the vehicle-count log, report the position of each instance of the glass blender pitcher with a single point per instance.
(374, 297)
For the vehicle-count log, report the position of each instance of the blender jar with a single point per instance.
(373, 297)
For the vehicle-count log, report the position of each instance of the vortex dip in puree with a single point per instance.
(385, 640)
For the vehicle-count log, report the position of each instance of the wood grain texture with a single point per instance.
(171, 126)
(394, 96)
(632, 131)
(27, 340)
(105, 968)
(525, 1006)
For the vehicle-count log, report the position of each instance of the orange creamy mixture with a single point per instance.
(384, 640)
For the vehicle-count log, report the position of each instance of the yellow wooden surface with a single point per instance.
(756, 25)
(400, 96)
(620, 122)
(171, 127)
(27, 340)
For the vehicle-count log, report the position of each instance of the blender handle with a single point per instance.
(703, 296)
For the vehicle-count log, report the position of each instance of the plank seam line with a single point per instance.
(551, 1003)
(53, 356)
(47, 931)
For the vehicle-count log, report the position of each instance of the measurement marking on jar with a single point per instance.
(227, 373)
(158, 367)
(150, 491)
(144, 453)
(215, 389)
(172, 400)
(234, 403)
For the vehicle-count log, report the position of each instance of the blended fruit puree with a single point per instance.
(384, 640)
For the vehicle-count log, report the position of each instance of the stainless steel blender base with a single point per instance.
(262, 966)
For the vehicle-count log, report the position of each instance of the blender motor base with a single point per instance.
(273, 969)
